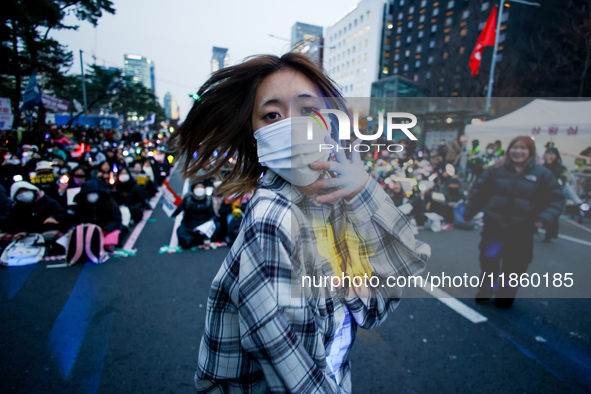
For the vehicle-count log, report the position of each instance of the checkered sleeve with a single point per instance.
(380, 237)
(267, 335)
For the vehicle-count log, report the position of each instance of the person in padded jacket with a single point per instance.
(94, 205)
(198, 209)
(517, 195)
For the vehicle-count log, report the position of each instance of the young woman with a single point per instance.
(264, 331)
(517, 197)
(553, 162)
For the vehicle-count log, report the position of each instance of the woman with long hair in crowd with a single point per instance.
(264, 331)
(517, 197)
(553, 162)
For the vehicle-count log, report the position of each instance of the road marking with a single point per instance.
(174, 241)
(566, 237)
(135, 234)
(456, 305)
(580, 225)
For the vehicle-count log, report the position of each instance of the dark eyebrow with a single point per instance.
(271, 102)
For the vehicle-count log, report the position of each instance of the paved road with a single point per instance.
(134, 324)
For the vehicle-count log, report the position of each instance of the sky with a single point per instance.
(178, 35)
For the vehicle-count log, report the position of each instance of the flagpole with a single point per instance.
(494, 57)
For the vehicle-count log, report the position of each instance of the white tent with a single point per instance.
(566, 123)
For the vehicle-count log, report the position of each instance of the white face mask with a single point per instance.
(284, 148)
(489, 151)
(199, 191)
(123, 178)
(26, 197)
(92, 197)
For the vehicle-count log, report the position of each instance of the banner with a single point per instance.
(54, 104)
(32, 96)
(6, 117)
(170, 200)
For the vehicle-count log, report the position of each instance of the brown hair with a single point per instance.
(528, 142)
(221, 119)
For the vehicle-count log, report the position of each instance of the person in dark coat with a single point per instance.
(128, 193)
(198, 209)
(94, 205)
(553, 162)
(5, 207)
(516, 195)
(35, 211)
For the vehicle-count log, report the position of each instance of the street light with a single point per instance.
(496, 47)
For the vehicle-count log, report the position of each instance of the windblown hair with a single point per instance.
(528, 142)
(221, 120)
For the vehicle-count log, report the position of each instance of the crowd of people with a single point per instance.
(51, 181)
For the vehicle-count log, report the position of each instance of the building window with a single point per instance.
(502, 37)
(361, 18)
(421, 34)
(484, 6)
(465, 14)
(433, 28)
(365, 43)
(411, 10)
(407, 53)
(364, 69)
(416, 78)
(430, 60)
(399, 30)
(390, 25)
(408, 39)
(385, 70)
(481, 25)
(355, 22)
(401, 2)
(447, 38)
(400, 16)
(396, 57)
(387, 54)
(428, 75)
(505, 17)
(435, 11)
(422, 18)
(432, 44)
(461, 50)
(464, 32)
(388, 39)
(409, 25)
(423, 3)
(450, 4)
(397, 43)
(419, 48)
(365, 56)
(405, 67)
(395, 70)
(417, 64)
(445, 55)
(367, 28)
(448, 21)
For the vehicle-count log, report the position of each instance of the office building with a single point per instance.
(307, 39)
(141, 69)
(219, 58)
(430, 43)
(352, 48)
(170, 107)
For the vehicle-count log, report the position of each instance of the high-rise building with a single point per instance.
(307, 39)
(170, 107)
(141, 69)
(430, 43)
(219, 58)
(352, 55)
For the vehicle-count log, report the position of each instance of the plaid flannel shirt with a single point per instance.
(263, 332)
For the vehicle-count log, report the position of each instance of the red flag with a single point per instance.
(486, 38)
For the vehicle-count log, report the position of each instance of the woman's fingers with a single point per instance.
(327, 166)
(326, 183)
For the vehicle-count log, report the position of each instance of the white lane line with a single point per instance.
(456, 305)
(135, 234)
(174, 241)
(579, 225)
(566, 237)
